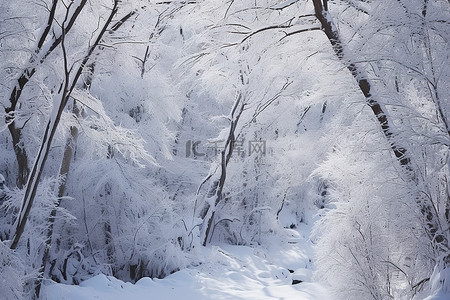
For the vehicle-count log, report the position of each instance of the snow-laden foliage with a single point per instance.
(12, 274)
(178, 124)
(396, 218)
(370, 229)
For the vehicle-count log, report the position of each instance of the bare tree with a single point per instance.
(216, 190)
(44, 48)
(432, 222)
(67, 89)
(68, 153)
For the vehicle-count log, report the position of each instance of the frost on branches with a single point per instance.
(135, 133)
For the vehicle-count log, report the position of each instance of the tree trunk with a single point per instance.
(321, 13)
(209, 212)
(66, 162)
(380, 113)
(63, 173)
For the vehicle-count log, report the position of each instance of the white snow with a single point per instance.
(226, 272)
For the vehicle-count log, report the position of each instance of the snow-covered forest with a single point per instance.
(137, 134)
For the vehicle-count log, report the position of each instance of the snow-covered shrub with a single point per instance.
(12, 274)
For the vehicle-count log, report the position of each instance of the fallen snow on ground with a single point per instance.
(227, 272)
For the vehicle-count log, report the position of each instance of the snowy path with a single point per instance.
(228, 272)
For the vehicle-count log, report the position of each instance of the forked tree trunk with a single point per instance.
(209, 212)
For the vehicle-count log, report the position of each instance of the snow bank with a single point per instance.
(227, 272)
(440, 285)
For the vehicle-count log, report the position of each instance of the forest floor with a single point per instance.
(226, 272)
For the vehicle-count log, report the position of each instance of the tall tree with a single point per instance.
(44, 47)
(388, 72)
(67, 88)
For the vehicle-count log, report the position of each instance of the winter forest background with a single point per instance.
(136, 132)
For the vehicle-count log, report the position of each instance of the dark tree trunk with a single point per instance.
(321, 13)
(209, 212)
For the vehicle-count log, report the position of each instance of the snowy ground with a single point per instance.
(228, 272)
